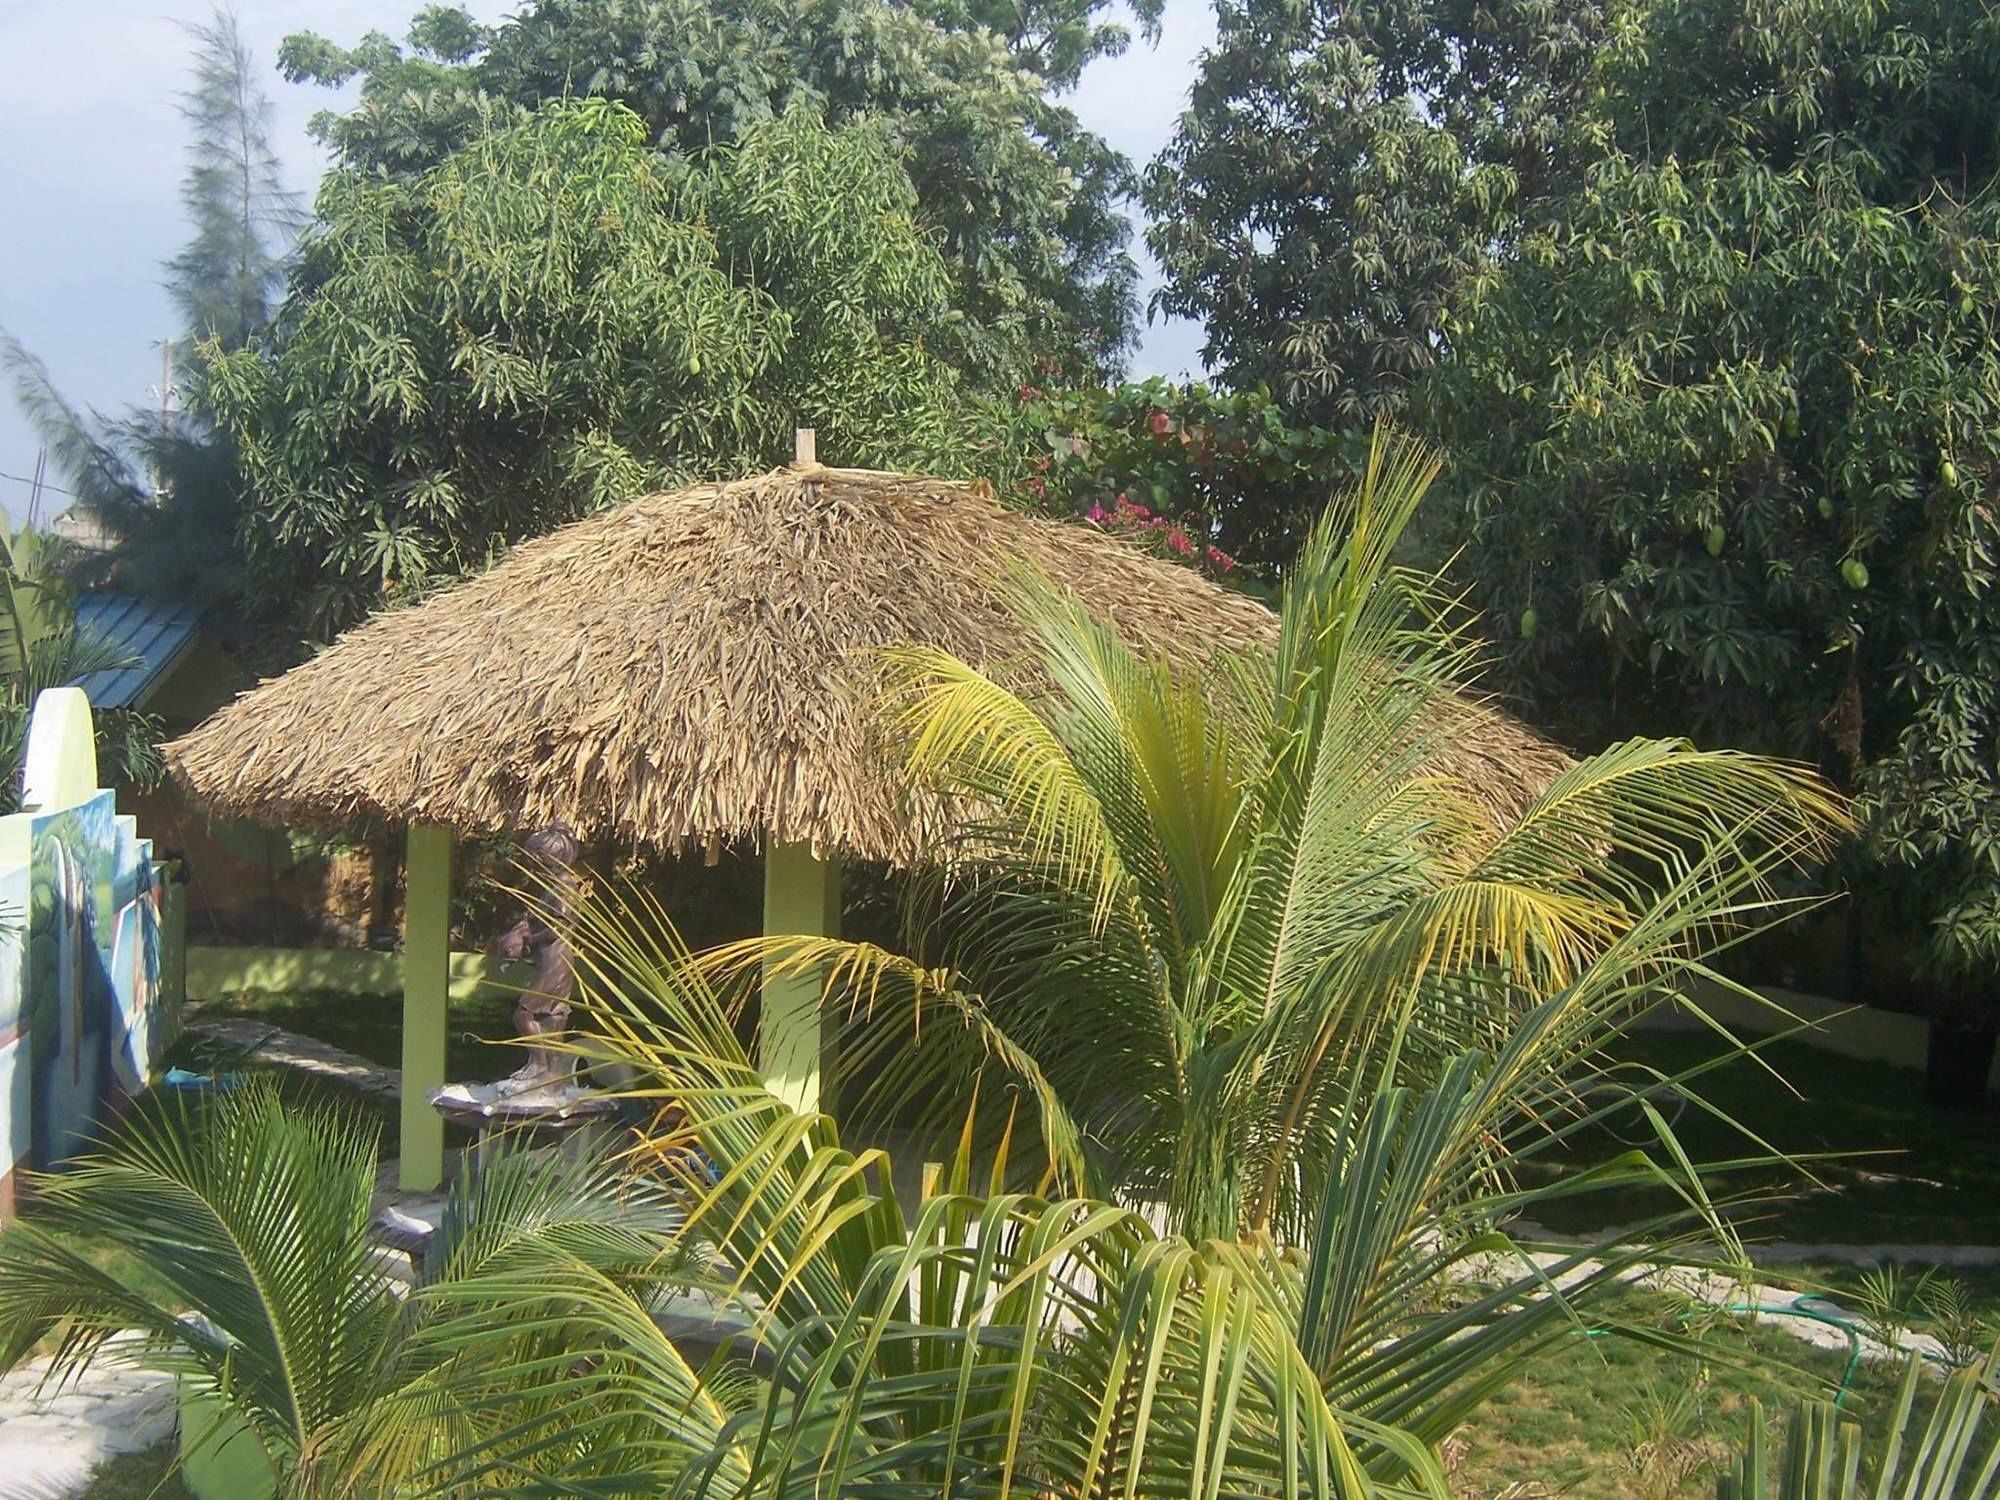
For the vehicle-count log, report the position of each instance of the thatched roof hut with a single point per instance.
(691, 668)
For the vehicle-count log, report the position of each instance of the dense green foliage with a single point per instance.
(556, 317)
(1343, 168)
(1697, 295)
(1727, 426)
(1226, 482)
(1023, 201)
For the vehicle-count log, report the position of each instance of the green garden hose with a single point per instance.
(1797, 1309)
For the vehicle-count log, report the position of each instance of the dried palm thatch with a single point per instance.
(692, 668)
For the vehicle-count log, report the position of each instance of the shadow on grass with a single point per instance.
(1929, 1176)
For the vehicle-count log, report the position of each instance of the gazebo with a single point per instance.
(691, 669)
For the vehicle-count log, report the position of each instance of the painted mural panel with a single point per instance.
(94, 1023)
(14, 1110)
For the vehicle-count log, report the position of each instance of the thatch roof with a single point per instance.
(691, 668)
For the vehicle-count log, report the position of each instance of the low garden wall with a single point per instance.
(214, 972)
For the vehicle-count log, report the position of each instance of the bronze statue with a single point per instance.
(543, 1009)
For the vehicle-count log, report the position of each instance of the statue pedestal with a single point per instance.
(553, 1114)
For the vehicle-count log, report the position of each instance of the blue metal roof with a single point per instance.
(157, 634)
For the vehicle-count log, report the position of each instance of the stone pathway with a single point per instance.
(53, 1437)
(288, 1049)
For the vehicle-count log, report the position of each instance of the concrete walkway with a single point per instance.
(303, 1054)
(52, 1438)
(1763, 1302)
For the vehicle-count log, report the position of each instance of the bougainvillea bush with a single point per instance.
(1223, 482)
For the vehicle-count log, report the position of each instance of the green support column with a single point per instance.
(426, 981)
(801, 895)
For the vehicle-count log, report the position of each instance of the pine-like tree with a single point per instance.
(244, 219)
(161, 488)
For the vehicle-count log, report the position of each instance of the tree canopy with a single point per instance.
(1022, 199)
(1223, 480)
(1344, 167)
(1727, 424)
(556, 317)
(1697, 295)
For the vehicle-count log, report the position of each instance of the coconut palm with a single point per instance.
(966, 1338)
(231, 1236)
(1204, 915)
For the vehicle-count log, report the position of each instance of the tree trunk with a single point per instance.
(1956, 1065)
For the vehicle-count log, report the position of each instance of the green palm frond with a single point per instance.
(232, 1234)
(1202, 914)
(971, 1344)
(1953, 1455)
(1229, 946)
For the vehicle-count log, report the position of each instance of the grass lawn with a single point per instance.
(138, 1476)
(1611, 1418)
(1927, 1177)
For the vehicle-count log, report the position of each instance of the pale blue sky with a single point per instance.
(90, 160)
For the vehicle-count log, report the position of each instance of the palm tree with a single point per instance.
(1206, 916)
(42, 647)
(977, 1340)
(232, 1235)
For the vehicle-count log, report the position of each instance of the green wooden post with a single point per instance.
(426, 982)
(801, 895)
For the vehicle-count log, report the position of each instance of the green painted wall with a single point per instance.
(213, 972)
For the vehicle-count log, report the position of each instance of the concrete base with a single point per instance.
(221, 1458)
